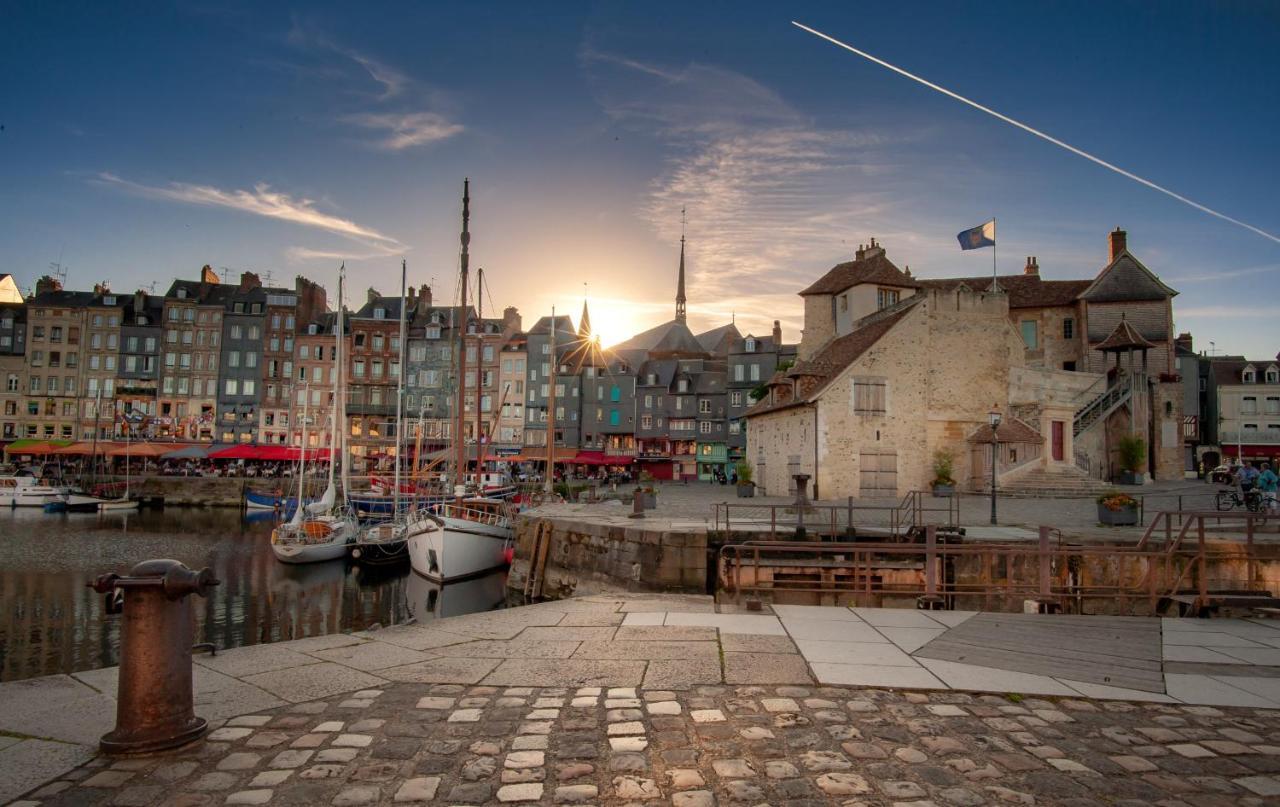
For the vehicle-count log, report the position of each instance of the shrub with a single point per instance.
(1115, 501)
(1133, 453)
(744, 472)
(944, 465)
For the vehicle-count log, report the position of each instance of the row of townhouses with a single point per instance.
(1075, 364)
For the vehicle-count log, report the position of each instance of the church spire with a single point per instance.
(584, 324)
(680, 313)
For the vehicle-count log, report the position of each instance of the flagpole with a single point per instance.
(995, 284)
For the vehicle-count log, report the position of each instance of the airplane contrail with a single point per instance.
(1024, 127)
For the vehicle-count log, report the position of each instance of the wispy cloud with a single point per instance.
(407, 129)
(392, 81)
(304, 254)
(260, 201)
(1225, 311)
(771, 195)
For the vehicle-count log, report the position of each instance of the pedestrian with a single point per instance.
(1267, 483)
(1248, 477)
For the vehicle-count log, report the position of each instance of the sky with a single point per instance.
(139, 142)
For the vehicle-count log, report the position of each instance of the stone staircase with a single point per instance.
(1101, 406)
(1058, 482)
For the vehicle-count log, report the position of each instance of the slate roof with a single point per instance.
(1024, 291)
(564, 327)
(832, 359)
(1124, 337)
(1231, 371)
(1126, 280)
(391, 306)
(678, 341)
(719, 340)
(63, 299)
(1011, 430)
(875, 269)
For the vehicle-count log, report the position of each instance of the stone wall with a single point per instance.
(1166, 430)
(1151, 319)
(772, 440)
(819, 325)
(637, 558)
(200, 491)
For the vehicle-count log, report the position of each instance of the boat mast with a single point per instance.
(296, 518)
(337, 381)
(479, 372)
(395, 499)
(93, 460)
(548, 484)
(460, 445)
(340, 410)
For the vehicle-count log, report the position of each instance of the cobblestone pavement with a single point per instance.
(457, 744)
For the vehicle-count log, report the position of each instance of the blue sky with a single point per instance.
(141, 142)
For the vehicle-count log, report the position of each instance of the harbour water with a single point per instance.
(51, 622)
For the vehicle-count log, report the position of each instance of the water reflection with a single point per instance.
(51, 622)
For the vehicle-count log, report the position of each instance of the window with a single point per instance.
(869, 396)
(1273, 405)
(1248, 375)
(739, 372)
(886, 298)
(646, 421)
(735, 399)
(705, 428)
(1070, 366)
(232, 387)
(704, 407)
(358, 368)
(250, 358)
(378, 341)
(249, 386)
(1068, 328)
(1030, 333)
(1273, 375)
(236, 331)
(735, 427)
(1249, 406)
(844, 303)
(750, 345)
(755, 372)
(233, 358)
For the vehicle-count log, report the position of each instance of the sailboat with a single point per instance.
(387, 542)
(477, 530)
(324, 529)
(123, 502)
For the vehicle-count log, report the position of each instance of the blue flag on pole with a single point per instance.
(984, 235)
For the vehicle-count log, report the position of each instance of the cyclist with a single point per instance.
(1267, 483)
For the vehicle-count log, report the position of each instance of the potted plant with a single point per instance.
(746, 488)
(1133, 458)
(944, 482)
(1116, 509)
(648, 491)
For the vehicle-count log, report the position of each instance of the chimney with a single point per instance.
(372, 294)
(777, 334)
(1184, 341)
(1119, 241)
(872, 250)
(47, 284)
(411, 293)
(139, 302)
(511, 320)
(424, 294)
(249, 280)
(101, 288)
(1032, 267)
(207, 275)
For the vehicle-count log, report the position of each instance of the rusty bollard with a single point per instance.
(154, 704)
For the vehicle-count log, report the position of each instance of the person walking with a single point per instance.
(1267, 483)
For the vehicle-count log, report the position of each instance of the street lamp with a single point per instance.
(993, 417)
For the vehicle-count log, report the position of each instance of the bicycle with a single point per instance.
(1231, 499)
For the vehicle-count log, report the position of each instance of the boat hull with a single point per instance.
(460, 550)
(116, 505)
(381, 545)
(339, 538)
(18, 492)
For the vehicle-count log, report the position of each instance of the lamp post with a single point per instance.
(993, 417)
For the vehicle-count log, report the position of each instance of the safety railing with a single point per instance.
(916, 509)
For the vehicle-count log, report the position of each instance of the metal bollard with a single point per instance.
(154, 704)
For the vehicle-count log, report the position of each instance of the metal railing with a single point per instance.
(914, 510)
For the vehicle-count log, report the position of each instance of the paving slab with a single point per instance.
(417, 637)
(1268, 688)
(826, 613)
(1203, 655)
(665, 633)
(652, 651)
(898, 618)
(729, 623)
(1207, 638)
(869, 675)
(311, 681)
(370, 656)
(1266, 657)
(1104, 692)
(240, 662)
(510, 648)
(875, 653)
(765, 668)
(443, 670)
(1207, 691)
(755, 643)
(56, 707)
(27, 764)
(832, 630)
(989, 679)
(911, 639)
(683, 673)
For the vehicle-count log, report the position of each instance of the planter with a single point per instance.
(1124, 517)
(1131, 478)
(746, 490)
(944, 491)
(650, 500)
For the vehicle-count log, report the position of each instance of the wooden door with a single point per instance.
(1058, 440)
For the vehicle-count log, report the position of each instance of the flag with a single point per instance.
(984, 235)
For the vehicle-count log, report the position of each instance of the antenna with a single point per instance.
(58, 269)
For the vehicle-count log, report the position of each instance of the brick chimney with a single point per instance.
(207, 275)
(511, 319)
(424, 294)
(101, 288)
(1032, 267)
(249, 281)
(372, 294)
(1119, 241)
(868, 251)
(777, 334)
(139, 302)
(1184, 341)
(47, 284)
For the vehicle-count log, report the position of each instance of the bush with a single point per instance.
(1133, 453)
(944, 464)
(744, 472)
(1116, 501)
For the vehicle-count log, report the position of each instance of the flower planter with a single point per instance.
(1124, 517)
(944, 491)
(1131, 478)
(746, 490)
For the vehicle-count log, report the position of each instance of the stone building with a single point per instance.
(1246, 396)
(13, 371)
(892, 368)
(189, 372)
(373, 371)
(141, 333)
(512, 371)
(567, 387)
(315, 349)
(55, 328)
(100, 359)
(753, 360)
(288, 312)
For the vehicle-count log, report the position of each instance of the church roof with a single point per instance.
(1125, 279)
(875, 268)
(714, 340)
(678, 340)
(1124, 337)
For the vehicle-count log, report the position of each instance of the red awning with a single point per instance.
(270, 453)
(618, 459)
(588, 458)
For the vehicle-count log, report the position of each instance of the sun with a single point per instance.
(613, 321)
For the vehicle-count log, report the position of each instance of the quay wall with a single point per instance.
(199, 491)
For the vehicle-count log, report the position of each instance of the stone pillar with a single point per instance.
(1166, 430)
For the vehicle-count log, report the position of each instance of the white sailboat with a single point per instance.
(27, 491)
(123, 502)
(324, 529)
(477, 531)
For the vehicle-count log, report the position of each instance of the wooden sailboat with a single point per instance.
(387, 542)
(323, 530)
(477, 530)
(124, 502)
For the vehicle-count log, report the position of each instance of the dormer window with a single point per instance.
(109, 300)
(1273, 375)
(1249, 376)
(751, 345)
(379, 313)
(182, 294)
(142, 319)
